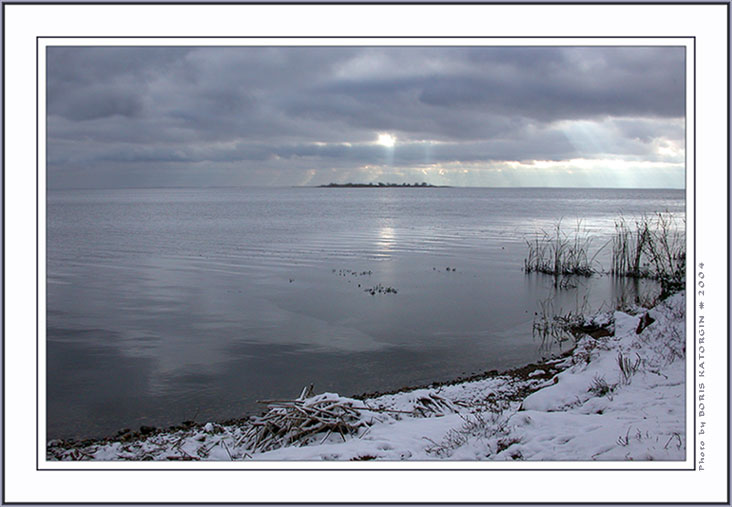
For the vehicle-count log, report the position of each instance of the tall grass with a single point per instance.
(628, 246)
(652, 247)
(559, 253)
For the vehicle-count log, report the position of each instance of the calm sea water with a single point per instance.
(171, 304)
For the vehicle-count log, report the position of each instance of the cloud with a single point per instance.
(551, 83)
(96, 102)
(274, 115)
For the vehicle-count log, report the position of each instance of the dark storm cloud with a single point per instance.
(569, 84)
(541, 84)
(96, 102)
(264, 115)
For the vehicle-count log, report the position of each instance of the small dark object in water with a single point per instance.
(380, 289)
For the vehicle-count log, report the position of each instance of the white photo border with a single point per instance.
(695, 27)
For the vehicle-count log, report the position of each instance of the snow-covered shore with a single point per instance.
(616, 397)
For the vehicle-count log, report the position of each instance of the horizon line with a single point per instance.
(375, 185)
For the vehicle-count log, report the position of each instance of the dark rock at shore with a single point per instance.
(594, 330)
(645, 321)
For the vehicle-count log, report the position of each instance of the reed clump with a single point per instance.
(290, 422)
(560, 253)
(651, 247)
(312, 418)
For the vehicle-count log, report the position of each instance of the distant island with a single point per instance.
(381, 185)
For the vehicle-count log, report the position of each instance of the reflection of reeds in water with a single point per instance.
(631, 293)
(555, 326)
(652, 247)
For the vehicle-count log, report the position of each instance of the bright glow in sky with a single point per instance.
(386, 140)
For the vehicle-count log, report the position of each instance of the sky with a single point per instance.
(283, 116)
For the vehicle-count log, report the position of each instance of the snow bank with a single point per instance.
(618, 397)
(599, 409)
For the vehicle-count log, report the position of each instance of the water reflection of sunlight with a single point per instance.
(386, 239)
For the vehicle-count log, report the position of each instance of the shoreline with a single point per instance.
(617, 395)
(520, 373)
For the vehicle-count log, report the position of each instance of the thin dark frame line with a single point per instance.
(376, 37)
(2, 311)
(693, 38)
(398, 2)
(693, 338)
(728, 246)
(367, 503)
(38, 372)
(285, 469)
